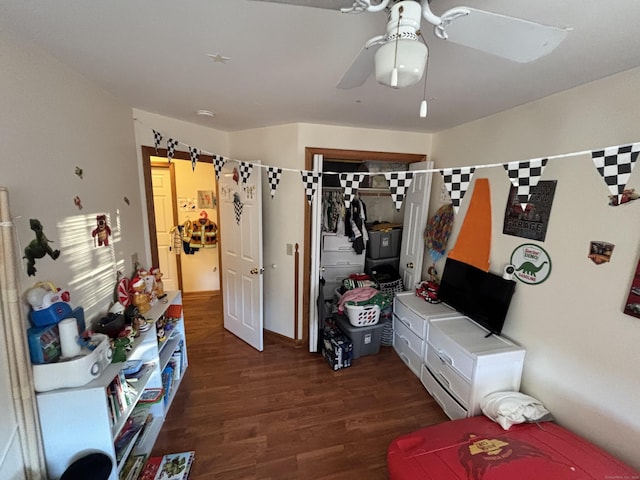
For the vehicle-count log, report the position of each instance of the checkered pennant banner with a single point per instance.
(237, 207)
(350, 183)
(398, 185)
(615, 164)
(274, 174)
(525, 176)
(310, 181)
(457, 181)
(171, 148)
(245, 171)
(195, 154)
(218, 163)
(157, 138)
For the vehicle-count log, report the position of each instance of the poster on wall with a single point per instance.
(632, 306)
(531, 222)
(532, 264)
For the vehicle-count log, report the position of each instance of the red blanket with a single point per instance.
(479, 449)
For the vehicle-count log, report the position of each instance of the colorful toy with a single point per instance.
(160, 293)
(102, 231)
(38, 248)
(49, 304)
(140, 298)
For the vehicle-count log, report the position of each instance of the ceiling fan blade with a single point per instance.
(362, 66)
(328, 4)
(507, 37)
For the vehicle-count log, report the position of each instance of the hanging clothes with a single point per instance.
(204, 232)
(354, 223)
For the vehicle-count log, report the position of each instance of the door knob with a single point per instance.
(256, 271)
(410, 265)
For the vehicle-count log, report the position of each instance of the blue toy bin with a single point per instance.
(50, 315)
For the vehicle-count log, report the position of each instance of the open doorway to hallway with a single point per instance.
(179, 194)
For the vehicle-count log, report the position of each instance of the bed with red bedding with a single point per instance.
(479, 449)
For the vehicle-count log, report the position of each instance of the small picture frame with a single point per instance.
(206, 199)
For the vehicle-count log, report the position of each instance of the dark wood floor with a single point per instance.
(283, 413)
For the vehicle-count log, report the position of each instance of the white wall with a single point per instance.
(284, 146)
(582, 351)
(54, 120)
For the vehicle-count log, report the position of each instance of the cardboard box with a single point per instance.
(337, 348)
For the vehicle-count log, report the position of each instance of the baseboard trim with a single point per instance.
(279, 338)
(200, 294)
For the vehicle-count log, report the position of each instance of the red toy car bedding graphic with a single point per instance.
(478, 449)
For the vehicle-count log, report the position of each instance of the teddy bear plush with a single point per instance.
(102, 231)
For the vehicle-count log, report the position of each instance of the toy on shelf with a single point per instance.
(49, 304)
(38, 248)
(140, 298)
(157, 274)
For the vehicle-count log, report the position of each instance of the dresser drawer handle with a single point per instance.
(444, 358)
(404, 322)
(443, 380)
(404, 339)
(405, 359)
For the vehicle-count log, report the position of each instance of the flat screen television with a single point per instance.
(482, 296)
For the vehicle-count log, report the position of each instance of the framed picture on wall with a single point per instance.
(206, 199)
(531, 222)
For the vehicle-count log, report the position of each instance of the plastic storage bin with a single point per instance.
(384, 244)
(370, 265)
(365, 340)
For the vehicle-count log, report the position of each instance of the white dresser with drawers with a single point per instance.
(455, 358)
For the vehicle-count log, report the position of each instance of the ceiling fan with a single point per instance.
(400, 55)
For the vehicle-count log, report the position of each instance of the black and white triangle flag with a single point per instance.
(350, 183)
(218, 163)
(615, 164)
(398, 185)
(310, 181)
(171, 148)
(525, 176)
(457, 181)
(245, 171)
(274, 174)
(195, 154)
(157, 138)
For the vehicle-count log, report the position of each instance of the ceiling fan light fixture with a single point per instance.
(407, 63)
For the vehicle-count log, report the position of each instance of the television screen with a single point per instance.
(482, 296)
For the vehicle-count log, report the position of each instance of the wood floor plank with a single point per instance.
(283, 413)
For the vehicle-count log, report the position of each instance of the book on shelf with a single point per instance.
(173, 466)
(135, 376)
(133, 467)
(167, 383)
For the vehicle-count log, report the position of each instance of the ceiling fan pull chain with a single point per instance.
(394, 72)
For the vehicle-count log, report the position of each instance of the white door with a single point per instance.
(314, 282)
(416, 210)
(241, 250)
(163, 204)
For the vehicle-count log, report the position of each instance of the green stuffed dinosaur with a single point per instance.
(38, 248)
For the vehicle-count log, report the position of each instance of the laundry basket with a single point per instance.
(362, 315)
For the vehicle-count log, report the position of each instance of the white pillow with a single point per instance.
(509, 408)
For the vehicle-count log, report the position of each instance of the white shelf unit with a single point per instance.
(78, 421)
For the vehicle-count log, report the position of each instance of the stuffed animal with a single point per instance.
(140, 298)
(38, 248)
(155, 271)
(102, 231)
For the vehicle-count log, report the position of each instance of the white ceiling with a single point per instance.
(285, 60)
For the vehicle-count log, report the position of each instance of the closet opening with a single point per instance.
(373, 196)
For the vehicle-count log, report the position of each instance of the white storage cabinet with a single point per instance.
(77, 421)
(411, 316)
(457, 361)
(338, 260)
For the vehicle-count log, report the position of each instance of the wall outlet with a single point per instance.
(289, 249)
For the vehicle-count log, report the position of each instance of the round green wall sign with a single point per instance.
(532, 263)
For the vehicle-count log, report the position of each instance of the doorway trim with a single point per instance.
(336, 154)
